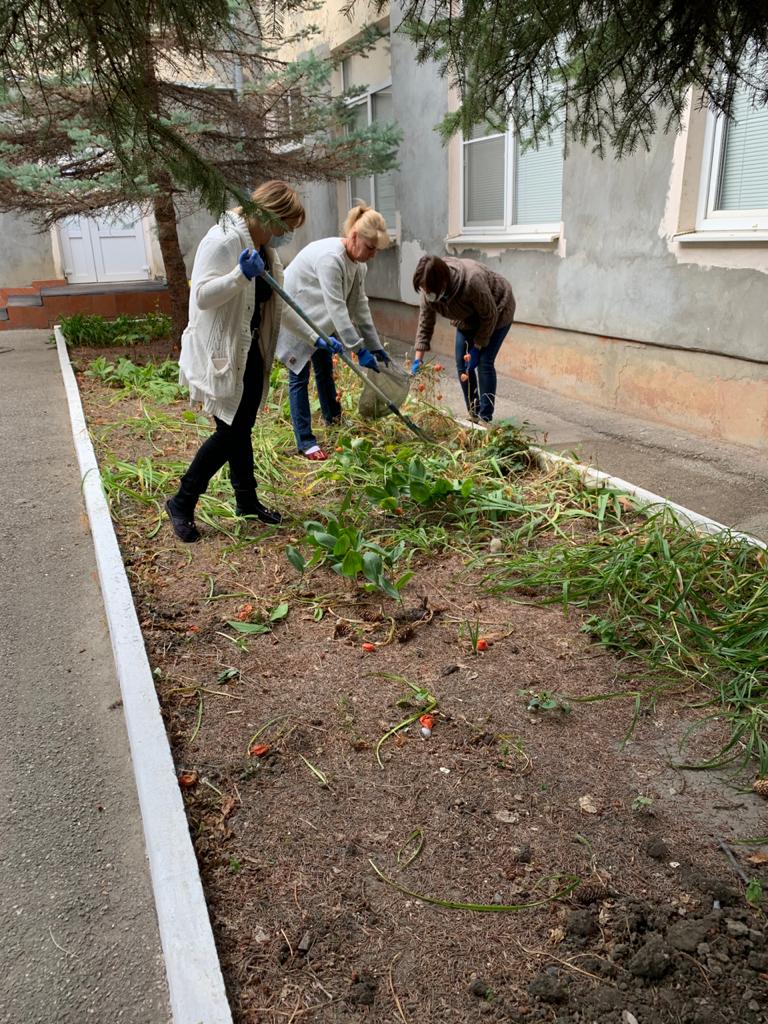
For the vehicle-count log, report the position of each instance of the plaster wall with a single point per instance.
(26, 252)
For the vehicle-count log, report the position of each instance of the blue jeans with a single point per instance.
(298, 397)
(480, 389)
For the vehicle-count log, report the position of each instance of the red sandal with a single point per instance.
(316, 456)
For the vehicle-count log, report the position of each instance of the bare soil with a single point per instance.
(629, 910)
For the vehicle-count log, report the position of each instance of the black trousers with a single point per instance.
(230, 442)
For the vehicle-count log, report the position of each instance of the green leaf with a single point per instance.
(296, 558)
(342, 546)
(386, 586)
(372, 566)
(279, 612)
(754, 893)
(352, 564)
(248, 627)
(420, 492)
(326, 540)
(401, 581)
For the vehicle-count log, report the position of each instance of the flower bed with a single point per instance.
(529, 853)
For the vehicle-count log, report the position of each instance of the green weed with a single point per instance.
(93, 331)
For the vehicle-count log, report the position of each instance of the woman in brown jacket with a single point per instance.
(481, 306)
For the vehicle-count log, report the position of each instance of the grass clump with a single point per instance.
(158, 382)
(93, 331)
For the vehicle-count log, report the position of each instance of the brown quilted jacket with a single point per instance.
(477, 302)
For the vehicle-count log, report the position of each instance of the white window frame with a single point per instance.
(290, 97)
(709, 219)
(358, 101)
(544, 232)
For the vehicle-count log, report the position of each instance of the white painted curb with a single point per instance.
(192, 966)
(597, 478)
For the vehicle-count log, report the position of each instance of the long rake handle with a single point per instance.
(414, 427)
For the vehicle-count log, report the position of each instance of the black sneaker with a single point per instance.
(253, 507)
(183, 525)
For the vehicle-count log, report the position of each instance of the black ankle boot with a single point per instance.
(248, 504)
(181, 512)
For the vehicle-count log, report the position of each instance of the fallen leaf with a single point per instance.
(587, 804)
(259, 749)
(757, 858)
(227, 806)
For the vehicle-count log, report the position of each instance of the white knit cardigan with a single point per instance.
(214, 346)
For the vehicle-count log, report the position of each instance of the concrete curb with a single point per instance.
(195, 982)
(597, 478)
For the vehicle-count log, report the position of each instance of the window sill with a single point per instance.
(505, 241)
(719, 237)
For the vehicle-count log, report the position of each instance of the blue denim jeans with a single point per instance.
(480, 389)
(298, 397)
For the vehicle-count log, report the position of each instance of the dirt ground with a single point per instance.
(611, 884)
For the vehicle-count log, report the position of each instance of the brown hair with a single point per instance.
(282, 201)
(369, 224)
(432, 274)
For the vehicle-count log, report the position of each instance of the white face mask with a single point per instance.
(280, 240)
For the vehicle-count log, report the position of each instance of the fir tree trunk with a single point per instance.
(175, 270)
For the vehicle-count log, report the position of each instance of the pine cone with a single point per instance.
(590, 892)
(760, 786)
(371, 615)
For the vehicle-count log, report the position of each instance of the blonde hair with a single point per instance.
(280, 200)
(369, 224)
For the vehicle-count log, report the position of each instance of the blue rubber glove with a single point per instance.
(251, 264)
(332, 345)
(474, 359)
(382, 355)
(416, 365)
(365, 359)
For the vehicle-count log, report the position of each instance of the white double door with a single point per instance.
(108, 247)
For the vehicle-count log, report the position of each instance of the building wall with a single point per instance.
(617, 311)
(26, 252)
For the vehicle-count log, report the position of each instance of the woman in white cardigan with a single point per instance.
(327, 279)
(228, 347)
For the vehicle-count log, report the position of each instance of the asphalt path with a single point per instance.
(80, 940)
